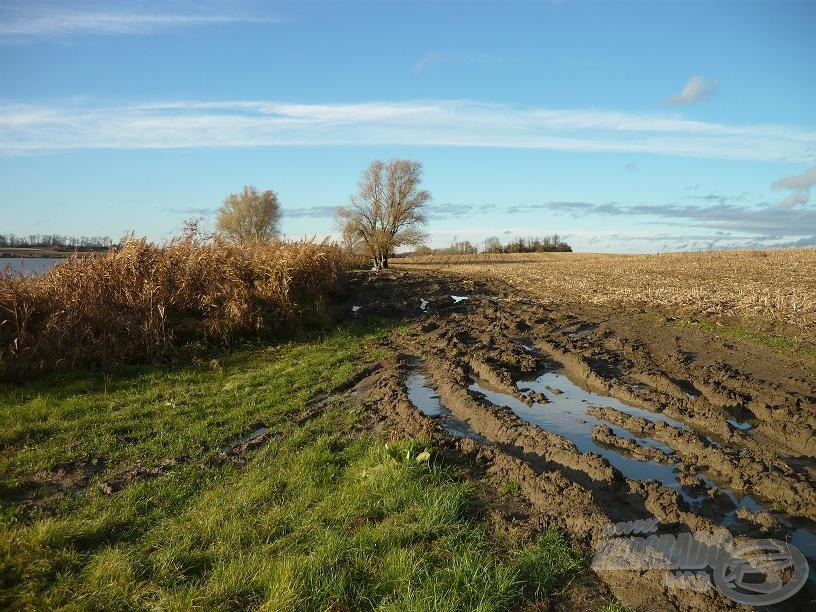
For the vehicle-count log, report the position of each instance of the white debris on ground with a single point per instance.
(354, 309)
(459, 298)
(423, 304)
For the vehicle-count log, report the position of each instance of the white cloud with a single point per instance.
(799, 186)
(698, 88)
(456, 123)
(24, 22)
(430, 59)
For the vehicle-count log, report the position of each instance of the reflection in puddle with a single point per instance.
(738, 425)
(261, 430)
(566, 414)
(741, 418)
(423, 396)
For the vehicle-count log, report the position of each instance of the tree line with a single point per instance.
(532, 244)
(56, 241)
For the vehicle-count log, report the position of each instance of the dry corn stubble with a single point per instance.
(778, 284)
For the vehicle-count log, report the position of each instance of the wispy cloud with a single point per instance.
(799, 186)
(698, 88)
(728, 213)
(455, 123)
(310, 212)
(430, 59)
(723, 225)
(25, 21)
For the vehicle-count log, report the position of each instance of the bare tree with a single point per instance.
(386, 212)
(350, 239)
(250, 216)
(492, 245)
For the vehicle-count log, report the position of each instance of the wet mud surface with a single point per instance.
(602, 417)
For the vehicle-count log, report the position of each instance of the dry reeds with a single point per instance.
(141, 301)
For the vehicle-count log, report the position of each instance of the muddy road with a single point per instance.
(603, 416)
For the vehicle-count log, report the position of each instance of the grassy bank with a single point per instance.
(117, 493)
(144, 302)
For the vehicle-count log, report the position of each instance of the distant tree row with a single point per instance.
(546, 244)
(55, 241)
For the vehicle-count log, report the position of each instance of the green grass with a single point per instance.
(781, 344)
(615, 606)
(511, 487)
(317, 518)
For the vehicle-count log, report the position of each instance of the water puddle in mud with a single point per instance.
(738, 425)
(566, 414)
(578, 330)
(423, 396)
(255, 434)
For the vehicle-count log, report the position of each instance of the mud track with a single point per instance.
(603, 416)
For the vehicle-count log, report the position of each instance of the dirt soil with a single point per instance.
(676, 424)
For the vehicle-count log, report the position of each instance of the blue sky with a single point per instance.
(623, 126)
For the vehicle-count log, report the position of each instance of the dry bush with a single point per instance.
(141, 301)
(777, 285)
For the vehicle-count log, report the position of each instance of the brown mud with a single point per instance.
(603, 416)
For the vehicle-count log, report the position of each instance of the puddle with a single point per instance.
(741, 418)
(577, 330)
(253, 435)
(712, 441)
(738, 425)
(566, 414)
(805, 540)
(525, 344)
(423, 396)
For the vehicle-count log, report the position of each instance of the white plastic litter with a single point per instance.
(459, 298)
(423, 304)
(355, 308)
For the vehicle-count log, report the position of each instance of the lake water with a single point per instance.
(29, 266)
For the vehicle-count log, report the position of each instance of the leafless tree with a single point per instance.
(386, 212)
(250, 216)
(492, 245)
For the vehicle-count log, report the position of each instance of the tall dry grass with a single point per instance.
(142, 301)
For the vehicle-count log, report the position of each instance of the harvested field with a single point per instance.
(772, 288)
(598, 418)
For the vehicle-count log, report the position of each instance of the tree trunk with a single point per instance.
(385, 260)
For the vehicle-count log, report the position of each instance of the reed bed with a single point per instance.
(141, 301)
(778, 285)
